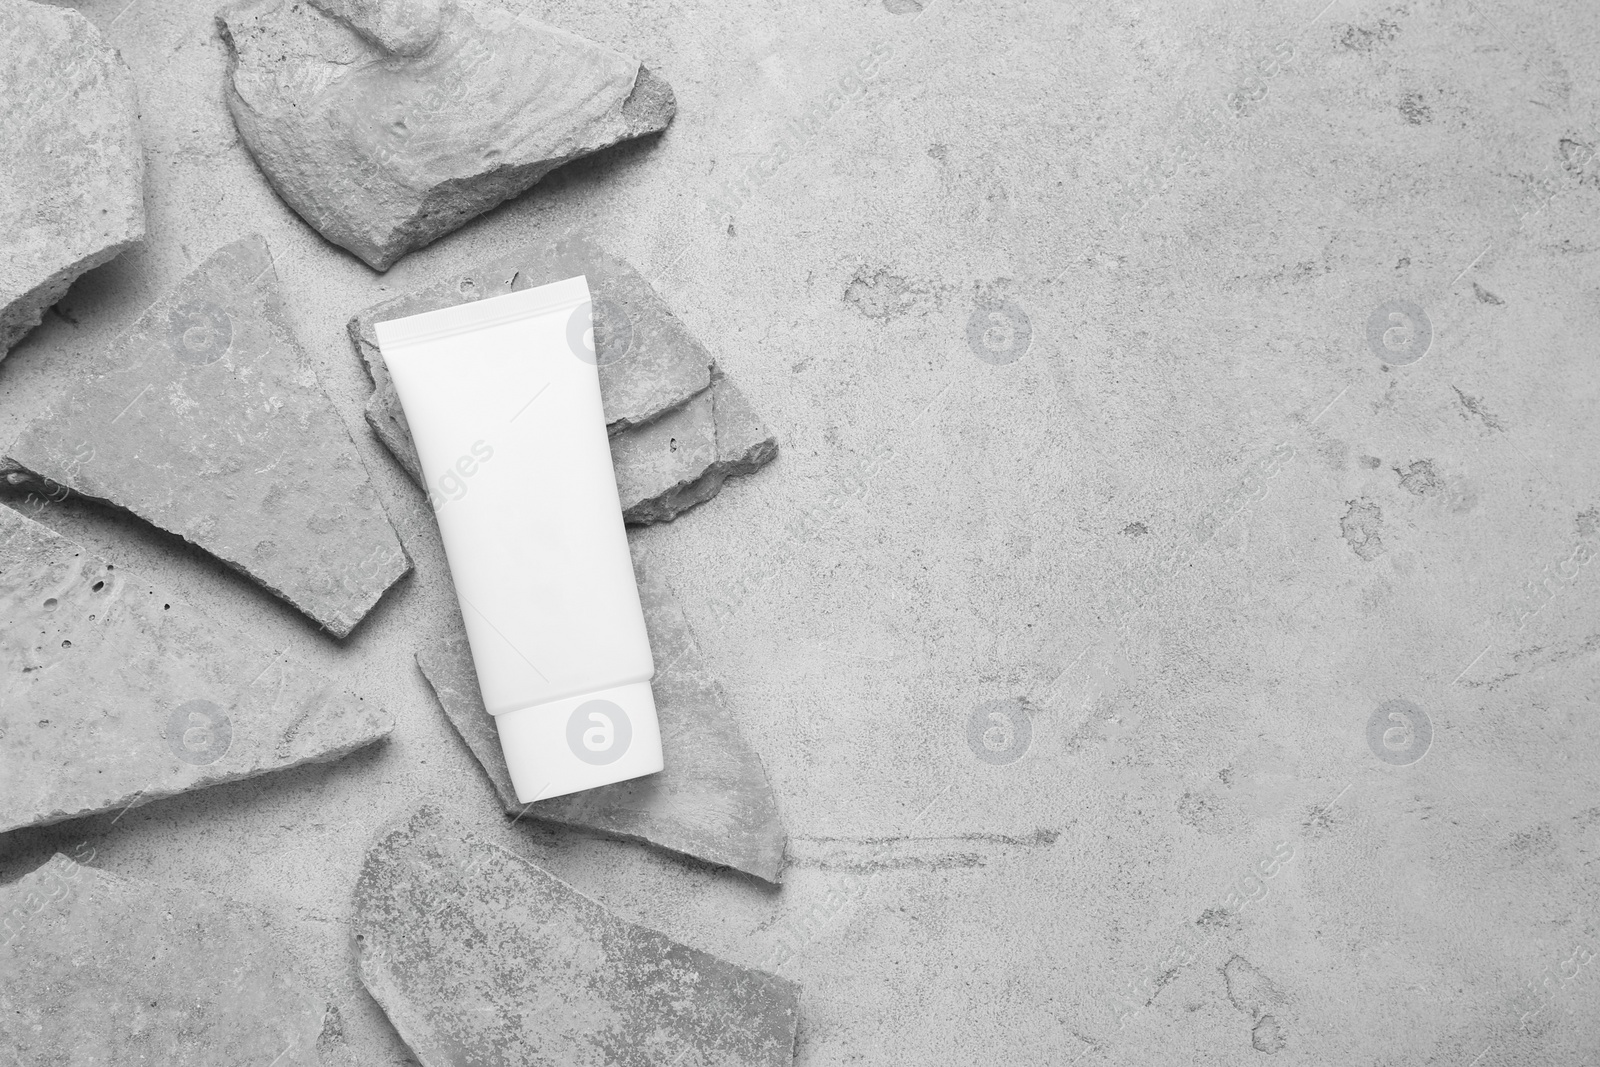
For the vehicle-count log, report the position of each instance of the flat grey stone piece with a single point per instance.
(679, 427)
(480, 957)
(713, 800)
(681, 459)
(205, 418)
(387, 129)
(648, 360)
(113, 693)
(72, 171)
(654, 463)
(114, 972)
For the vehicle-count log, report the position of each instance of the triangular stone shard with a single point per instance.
(480, 957)
(205, 419)
(388, 126)
(72, 169)
(99, 969)
(113, 693)
(713, 800)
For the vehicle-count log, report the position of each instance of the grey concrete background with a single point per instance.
(946, 908)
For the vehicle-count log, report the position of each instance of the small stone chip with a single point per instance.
(113, 693)
(480, 957)
(387, 126)
(205, 418)
(99, 969)
(72, 172)
(713, 800)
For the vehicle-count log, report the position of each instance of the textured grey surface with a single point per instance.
(712, 801)
(479, 956)
(387, 133)
(72, 168)
(114, 693)
(205, 419)
(102, 971)
(945, 530)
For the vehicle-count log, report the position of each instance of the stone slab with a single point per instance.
(679, 427)
(114, 693)
(479, 957)
(683, 458)
(206, 419)
(101, 970)
(387, 134)
(660, 459)
(713, 800)
(649, 362)
(72, 173)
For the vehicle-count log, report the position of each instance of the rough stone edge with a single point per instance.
(387, 418)
(733, 459)
(383, 721)
(28, 309)
(646, 111)
(389, 425)
(660, 508)
(650, 107)
(21, 477)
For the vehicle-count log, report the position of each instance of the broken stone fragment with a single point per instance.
(99, 969)
(113, 693)
(479, 957)
(72, 172)
(668, 466)
(713, 800)
(205, 418)
(388, 126)
(679, 428)
(648, 361)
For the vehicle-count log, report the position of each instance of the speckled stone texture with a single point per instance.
(479, 956)
(387, 135)
(205, 419)
(102, 971)
(114, 693)
(71, 169)
(712, 801)
(679, 427)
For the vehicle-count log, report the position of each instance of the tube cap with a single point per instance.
(581, 742)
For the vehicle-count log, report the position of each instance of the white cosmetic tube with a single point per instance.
(503, 399)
